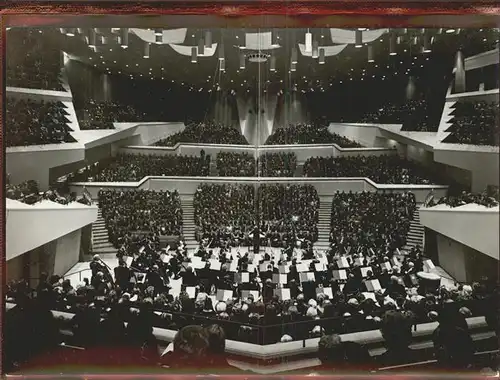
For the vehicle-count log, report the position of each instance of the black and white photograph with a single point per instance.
(250, 200)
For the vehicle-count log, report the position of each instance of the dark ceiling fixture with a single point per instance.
(208, 39)
(392, 44)
(272, 63)
(223, 66)
(124, 38)
(370, 54)
(427, 44)
(158, 32)
(159, 39)
(70, 32)
(294, 55)
(359, 38)
(194, 56)
(315, 48)
(201, 47)
(92, 38)
(321, 56)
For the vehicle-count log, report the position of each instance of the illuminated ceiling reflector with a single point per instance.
(146, 50)
(221, 52)
(223, 66)
(124, 37)
(321, 56)
(359, 39)
(308, 42)
(293, 67)
(194, 56)
(450, 30)
(315, 52)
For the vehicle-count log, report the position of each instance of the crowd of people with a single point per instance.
(231, 164)
(474, 123)
(308, 134)
(282, 164)
(288, 213)
(101, 309)
(369, 220)
(415, 115)
(133, 216)
(389, 169)
(233, 223)
(28, 192)
(465, 198)
(32, 61)
(134, 167)
(29, 122)
(102, 114)
(208, 132)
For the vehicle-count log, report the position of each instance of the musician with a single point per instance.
(122, 275)
(96, 266)
(189, 277)
(154, 279)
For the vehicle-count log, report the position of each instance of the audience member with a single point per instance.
(101, 115)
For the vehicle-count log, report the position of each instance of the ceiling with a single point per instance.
(164, 63)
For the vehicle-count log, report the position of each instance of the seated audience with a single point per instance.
(474, 123)
(28, 192)
(208, 132)
(102, 115)
(388, 169)
(134, 215)
(415, 115)
(465, 198)
(134, 167)
(308, 134)
(369, 220)
(287, 214)
(234, 221)
(230, 164)
(35, 61)
(278, 164)
(31, 122)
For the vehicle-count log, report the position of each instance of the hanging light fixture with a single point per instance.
(370, 54)
(146, 50)
(223, 66)
(415, 40)
(392, 44)
(308, 48)
(124, 38)
(80, 30)
(274, 38)
(427, 44)
(63, 30)
(194, 55)
(315, 48)
(322, 56)
(92, 38)
(159, 39)
(359, 38)
(242, 61)
(208, 39)
(221, 52)
(294, 55)
(201, 47)
(450, 30)
(293, 67)
(399, 39)
(158, 32)
(272, 63)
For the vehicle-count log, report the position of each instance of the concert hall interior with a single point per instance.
(250, 200)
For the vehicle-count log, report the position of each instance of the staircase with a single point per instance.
(416, 233)
(325, 212)
(100, 239)
(188, 226)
